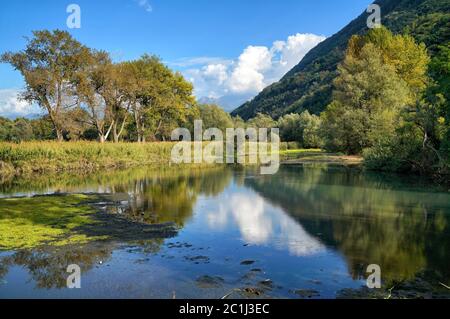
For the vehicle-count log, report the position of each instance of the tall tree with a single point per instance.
(409, 58)
(440, 73)
(160, 99)
(374, 85)
(214, 116)
(97, 87)
(48, 65)
(310, 128)
(138, 86)
(176, 105)
(262, 121)
(119, 99)
(290, 129)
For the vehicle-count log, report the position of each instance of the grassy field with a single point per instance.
(35, 157)
(54, 157)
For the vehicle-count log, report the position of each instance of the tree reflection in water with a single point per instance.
(369, 218)
(151, 197)
(400, 224)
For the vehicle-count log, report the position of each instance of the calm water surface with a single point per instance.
(303, 233)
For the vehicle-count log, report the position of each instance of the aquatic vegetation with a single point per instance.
(35, 221)
(64, 219)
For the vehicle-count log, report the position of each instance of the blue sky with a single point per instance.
(229, 49)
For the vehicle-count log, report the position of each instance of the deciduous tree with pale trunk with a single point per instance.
(48, 65)
(101, 87)
(159, 98)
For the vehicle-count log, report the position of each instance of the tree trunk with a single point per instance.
(138, 126)
(58, 130)
(119, 133)
(143, 132)
(158, 128)
(115, 133)
(59, 134)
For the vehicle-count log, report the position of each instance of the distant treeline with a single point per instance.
(85, 93)
(86, 96)
(302, 129)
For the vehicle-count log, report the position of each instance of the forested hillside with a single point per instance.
(308, 86)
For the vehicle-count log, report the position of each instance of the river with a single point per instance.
(306, 232)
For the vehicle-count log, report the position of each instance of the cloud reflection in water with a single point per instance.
(260, 223)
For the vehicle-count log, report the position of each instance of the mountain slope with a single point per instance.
(308, 85)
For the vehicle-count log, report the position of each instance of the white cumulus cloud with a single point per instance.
(242, 78)
(215, 72)
(248, 75)
(11, 106)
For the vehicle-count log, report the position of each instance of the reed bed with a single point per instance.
(29, 157)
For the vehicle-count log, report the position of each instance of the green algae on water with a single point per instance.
(44, 220)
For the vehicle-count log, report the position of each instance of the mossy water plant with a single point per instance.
(30, 222)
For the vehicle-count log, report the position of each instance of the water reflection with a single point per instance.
(47, 266)
(260, 223)
(140, 195)
(403, 228)
(321, 217)
(163, 198)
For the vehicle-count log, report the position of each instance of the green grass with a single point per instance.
(301, 151)
(85, 157)
(32, 157)
(54, 157)
(30, 222)
(318, 156)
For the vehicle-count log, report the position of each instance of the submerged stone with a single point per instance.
(209, 282)
(306, 293)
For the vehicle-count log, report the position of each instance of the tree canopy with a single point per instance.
(49, 65)
(83, 89)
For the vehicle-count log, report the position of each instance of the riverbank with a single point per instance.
(43, 157)
(31, 158)
(317, 156)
